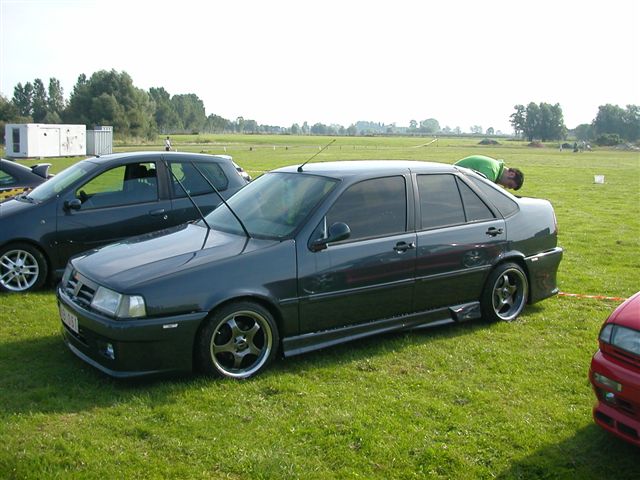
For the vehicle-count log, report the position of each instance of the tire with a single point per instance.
(22, 268)
(505, 293)
(238, 341)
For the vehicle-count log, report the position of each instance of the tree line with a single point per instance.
(544, 121)
(111, 98)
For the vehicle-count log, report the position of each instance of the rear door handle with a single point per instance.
(493, 231)
(402, 247)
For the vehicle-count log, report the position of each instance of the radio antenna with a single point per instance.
(316, 154)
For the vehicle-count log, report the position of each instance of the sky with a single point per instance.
(279, 62)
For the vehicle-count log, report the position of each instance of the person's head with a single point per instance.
(512, 178)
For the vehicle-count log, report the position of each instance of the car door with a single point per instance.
(119, 202)
(459, 238)
(186, 175)
(369, 276)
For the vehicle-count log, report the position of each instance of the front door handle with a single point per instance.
(402, 247)
(493, 231)
(160, 212)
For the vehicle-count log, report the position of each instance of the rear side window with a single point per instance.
(502, 202)
(372, 208)
(440, 202)
(474, 208)
(192, 180)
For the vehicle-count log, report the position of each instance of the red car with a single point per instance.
(615, 372)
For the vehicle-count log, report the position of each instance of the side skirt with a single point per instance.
(308, 342)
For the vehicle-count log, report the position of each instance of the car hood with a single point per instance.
(628, 313)
(132, 262)
(14, 207)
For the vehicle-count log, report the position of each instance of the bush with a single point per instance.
(488, 141)
(608, 140)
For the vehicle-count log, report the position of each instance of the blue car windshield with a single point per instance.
(272, 206)
(60, 182)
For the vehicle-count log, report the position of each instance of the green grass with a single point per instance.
(505, 400)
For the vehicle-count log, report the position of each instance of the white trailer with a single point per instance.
(23, 140)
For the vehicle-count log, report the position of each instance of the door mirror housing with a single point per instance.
(74, 204)
(337, 232)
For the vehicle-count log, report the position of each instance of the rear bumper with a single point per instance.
(543, 270)
(131, 348)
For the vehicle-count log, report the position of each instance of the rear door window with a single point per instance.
(193, 181)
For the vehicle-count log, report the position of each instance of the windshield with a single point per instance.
(274, 205)
(55, 185)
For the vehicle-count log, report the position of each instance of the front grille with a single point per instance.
(80, 290)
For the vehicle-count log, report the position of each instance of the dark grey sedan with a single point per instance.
(308, 257)
(16, 178)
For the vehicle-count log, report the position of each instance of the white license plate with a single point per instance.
(69, 319)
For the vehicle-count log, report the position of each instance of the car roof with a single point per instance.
(369, 167)
(152, 155)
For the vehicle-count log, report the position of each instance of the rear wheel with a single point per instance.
(238, 341)
(505, 293)
(22, 268)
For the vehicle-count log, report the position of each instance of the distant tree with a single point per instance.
(457, 131)
(490, 131)
(413, 125)
(616, 120)
(305, 128)
(8, 111)
(295, 129)
(56, 103)
(110, 98)
(239, 124)
(190, 110)
(23, 99)
(319, 129)
(39, 102)
(352, 131)
(429, 125)
(476, 129)
(251, 126)
(584, 131)
(540, 121)
(518, 119)
(166, 117)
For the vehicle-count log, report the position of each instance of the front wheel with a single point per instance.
(238, 341)
(22, 268)
(505, 293)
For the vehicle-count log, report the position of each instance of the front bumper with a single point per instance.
(131, 348)
(617, 411)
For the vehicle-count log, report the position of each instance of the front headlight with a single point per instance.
(117, 305)
(621, 337)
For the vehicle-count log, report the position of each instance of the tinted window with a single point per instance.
(474, 208)
(500, 200)
(440, 202)
(6, 179)
(372, 208)
(123, 185)
(273, 206)
(192, 179)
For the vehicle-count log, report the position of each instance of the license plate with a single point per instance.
(69, 319)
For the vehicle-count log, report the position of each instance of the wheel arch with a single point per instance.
(258, 299)
(37, 246)
(519, 259)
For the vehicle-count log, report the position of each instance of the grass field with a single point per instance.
(504, 400)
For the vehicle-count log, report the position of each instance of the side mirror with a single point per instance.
(337, 232)
(74, 204)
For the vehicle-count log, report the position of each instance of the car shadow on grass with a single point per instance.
(591, 453)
